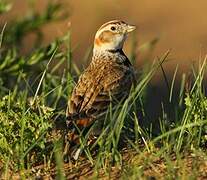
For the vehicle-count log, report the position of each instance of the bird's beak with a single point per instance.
(130, 28)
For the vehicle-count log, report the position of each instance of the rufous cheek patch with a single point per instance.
(106, 36)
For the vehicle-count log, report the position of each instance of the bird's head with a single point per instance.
(111, 35)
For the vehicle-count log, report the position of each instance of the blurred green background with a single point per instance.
(179, 25)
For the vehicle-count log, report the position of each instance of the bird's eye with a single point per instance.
(113, 28)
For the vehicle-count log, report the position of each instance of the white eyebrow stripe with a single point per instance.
(112, 22)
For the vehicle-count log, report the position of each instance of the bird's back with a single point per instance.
(107, 79)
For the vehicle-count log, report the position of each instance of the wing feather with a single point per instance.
(91, 95)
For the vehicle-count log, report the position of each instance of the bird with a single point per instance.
(107, 79)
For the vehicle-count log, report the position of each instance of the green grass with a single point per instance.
(33, 99)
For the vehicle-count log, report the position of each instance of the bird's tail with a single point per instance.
(75, 125)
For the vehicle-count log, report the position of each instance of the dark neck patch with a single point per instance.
(126, 61)
(116, 51)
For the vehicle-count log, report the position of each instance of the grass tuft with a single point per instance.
(33, 99)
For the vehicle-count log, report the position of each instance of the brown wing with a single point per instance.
(97, 86)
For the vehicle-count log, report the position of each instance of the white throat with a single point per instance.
(114, 45)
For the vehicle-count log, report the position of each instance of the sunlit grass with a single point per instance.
(33, 99)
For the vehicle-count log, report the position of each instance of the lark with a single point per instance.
(107, 79)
